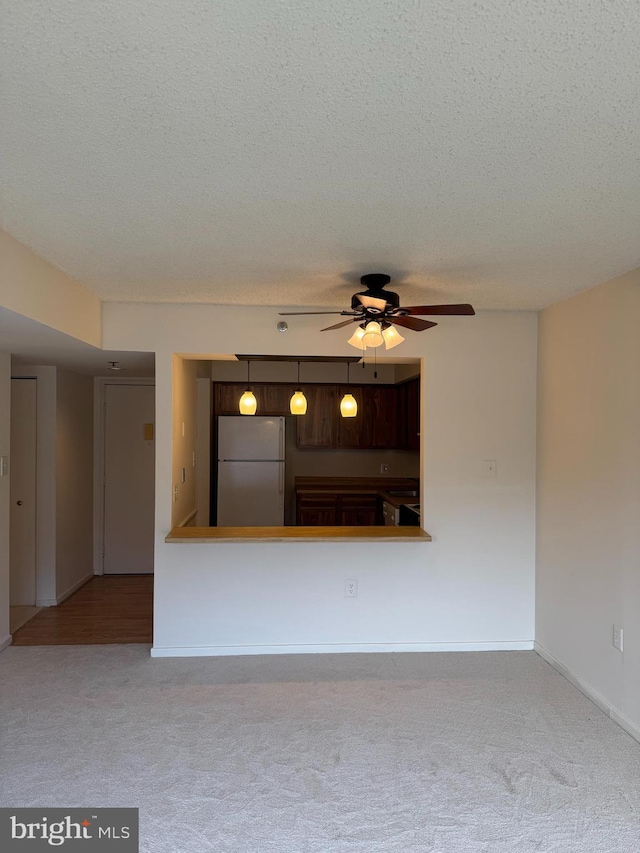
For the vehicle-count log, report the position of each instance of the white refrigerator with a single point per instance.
(250, 471)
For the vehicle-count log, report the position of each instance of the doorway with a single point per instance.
(128, 479)
(22, 553)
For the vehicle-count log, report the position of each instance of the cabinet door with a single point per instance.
(316, 509)
(227, 398)
(382, 411)
(317, 427)
(273, 400)
(353, 432)
(357, 510)
(412, 409)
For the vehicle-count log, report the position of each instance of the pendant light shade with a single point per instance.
(248, 403)
(298, 402)
(348, 406)
(391, 337)
(373, 334)
(356, 339)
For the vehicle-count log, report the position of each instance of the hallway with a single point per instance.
(108, 609)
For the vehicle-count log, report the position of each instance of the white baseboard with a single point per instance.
(5, 641)
(338, 648)
(52, 602)
(598, 700)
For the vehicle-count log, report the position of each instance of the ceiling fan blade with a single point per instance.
(412, 323)
(462, 308)
(372, 302)
(301, 313)
(338, 325)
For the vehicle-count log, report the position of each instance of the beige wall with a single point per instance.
(5, 433)
(74, 480)
(33, 287)
(588, 490)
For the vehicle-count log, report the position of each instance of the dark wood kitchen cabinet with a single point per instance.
(330, 509)
(318, 427)
(382, 410)
(272, 399)
(412, 414)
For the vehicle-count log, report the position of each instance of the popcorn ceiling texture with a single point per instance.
(377, 753)
(270, 151)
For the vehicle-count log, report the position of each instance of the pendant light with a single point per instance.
(298, 402)
(248, 403)
(348, 404)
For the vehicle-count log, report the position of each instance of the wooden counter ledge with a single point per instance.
(297, 534)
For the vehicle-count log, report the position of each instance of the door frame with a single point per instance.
(99, 473)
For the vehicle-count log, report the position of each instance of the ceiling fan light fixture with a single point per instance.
(348, 406)
(373, 334)
(392, 337)
(356, 339)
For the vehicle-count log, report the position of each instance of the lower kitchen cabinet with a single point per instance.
(328, 509)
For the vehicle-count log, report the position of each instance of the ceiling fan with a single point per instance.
(378, 311)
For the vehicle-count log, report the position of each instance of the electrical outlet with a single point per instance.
(175, 494)
(384, 468)
(617, 638)
(490, 468)
(4, 466)
(351, 588)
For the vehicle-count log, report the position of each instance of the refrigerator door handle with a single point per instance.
(281, 482)
(281, 438)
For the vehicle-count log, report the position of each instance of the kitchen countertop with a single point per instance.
(296, 534)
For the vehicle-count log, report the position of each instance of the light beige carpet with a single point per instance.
(451, 753)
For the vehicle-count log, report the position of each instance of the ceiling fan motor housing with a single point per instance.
(375, 282)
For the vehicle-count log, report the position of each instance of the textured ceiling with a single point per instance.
(271, 151)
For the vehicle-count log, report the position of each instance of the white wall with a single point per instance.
(34, 288)
(472, 587)
(588, 543)
(74, 481)
(5, 433)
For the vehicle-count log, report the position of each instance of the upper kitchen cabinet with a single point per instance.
(272, 399)
(383, 411)
(318, 427)
(412, 414)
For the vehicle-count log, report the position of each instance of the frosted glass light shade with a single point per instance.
(373, 334)
(298, 404)
(391, 337)
(348, 406)
(248, 403)
(356, 339)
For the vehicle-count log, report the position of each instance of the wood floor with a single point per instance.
(108, 609)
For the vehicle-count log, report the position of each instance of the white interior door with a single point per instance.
(129, 479)
(22, 557)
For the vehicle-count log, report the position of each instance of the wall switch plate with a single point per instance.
(490, 468)
(617, 637)
(183, 429)
(4, 466)
(351, 588)
(384, 468)
(175, 494)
